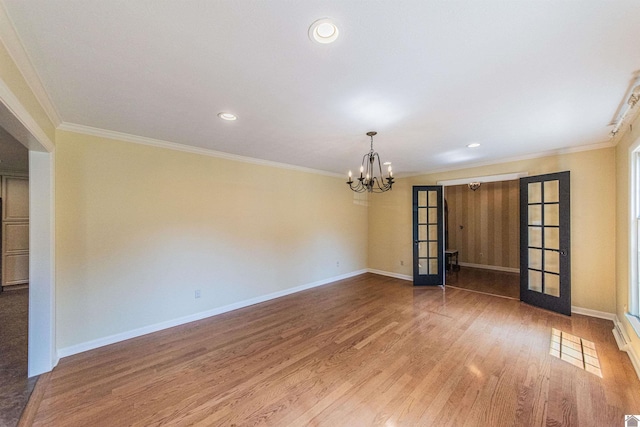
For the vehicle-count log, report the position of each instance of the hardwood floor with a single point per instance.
(493, 282)
(370, 350)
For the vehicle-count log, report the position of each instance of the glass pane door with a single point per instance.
(428, 235)
(544, 248)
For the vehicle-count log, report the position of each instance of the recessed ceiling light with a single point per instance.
(227, 116)
(323, 31)
(473, 145)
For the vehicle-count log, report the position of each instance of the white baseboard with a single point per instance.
(624, 344)
(390, 274)
(593, 313)
(490, 267)
(112, 339)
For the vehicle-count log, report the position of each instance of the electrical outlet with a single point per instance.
(337, 263)
(401, 262)
(197, 293)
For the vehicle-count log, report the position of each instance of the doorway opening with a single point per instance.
(14, 277)
(482, 234)
(41, 352)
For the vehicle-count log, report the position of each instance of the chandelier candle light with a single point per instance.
(371, 179)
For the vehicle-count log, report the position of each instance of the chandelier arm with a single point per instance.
(358, 188)
(364, 168)
(379, 166)
(378, 188)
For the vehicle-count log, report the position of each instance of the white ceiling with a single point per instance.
(519, 77)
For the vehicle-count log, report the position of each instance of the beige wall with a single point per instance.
(484, 224)
(623, 217)
(140, 228)
(592, 221)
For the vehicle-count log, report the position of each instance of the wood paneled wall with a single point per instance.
(484, 224)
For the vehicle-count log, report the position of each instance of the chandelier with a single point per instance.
(371, 179)
(474, 185)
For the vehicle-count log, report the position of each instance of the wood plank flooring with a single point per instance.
(494, 282)
(370, 350)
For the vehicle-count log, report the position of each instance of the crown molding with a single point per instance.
(569, 150)
(15, 47)
(109, 134)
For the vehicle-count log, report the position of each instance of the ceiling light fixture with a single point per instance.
(371, 179)
(473, 145)
(323, 31)
(227, 116)
(474, 185)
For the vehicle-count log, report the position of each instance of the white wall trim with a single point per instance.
(15, 47)
(634, 213)
(100, 342)
(488, 178)
(42, 342)
(490, 267)
(390, 274)
(22, 115)
(52, 272)
(623, 341)
(109, 134)
(593, 313)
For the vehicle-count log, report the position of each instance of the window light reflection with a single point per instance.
(579, 352)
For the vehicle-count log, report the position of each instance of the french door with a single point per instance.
(545, 268)
(428, 235)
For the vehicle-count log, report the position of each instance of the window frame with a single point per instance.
(633, 309)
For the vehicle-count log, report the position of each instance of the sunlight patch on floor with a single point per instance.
(575, 350)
